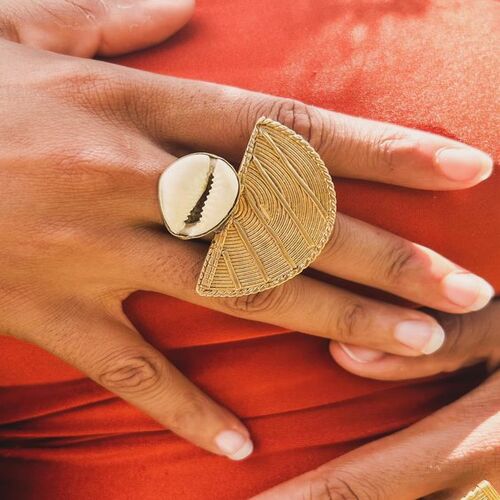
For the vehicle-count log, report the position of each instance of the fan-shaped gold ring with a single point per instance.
(269, 220)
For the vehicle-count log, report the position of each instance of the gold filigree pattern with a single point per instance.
(483, 491)
(283, 218)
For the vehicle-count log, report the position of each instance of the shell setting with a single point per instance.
(197, 194)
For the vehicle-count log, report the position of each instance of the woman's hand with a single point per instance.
(82, 145)
(442, 456)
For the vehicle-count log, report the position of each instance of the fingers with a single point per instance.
(365, 254)
(455, 446)
(179, 111)
(301, 304)
(117, 358)
(103, 27)
(470, 339)
(362, 253)
(153, 21)
(357, 252)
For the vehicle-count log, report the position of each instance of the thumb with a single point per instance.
(449, 451)
(87, 28)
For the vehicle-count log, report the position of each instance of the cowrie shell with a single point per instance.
(197, 194)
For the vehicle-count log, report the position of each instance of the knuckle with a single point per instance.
(110, 169)
(389, 146)
(89, 86)
(398, 260)
(341, 487)
(84, 172)
(271, 300)
(295, 115)
(316, 126)
(131, 371)
(190, 410)
(304, 119)
(80, 78)
(349, 320)
(58, 240)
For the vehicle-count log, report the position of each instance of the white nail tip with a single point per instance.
(436, 341)
(486, 293)
(244, 452)
(486, 175)
(197, 193)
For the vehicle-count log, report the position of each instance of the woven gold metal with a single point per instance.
(283, 218)
(483, 491)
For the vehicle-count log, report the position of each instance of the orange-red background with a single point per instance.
(427, 64)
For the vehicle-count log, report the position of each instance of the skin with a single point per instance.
(441, 457)
(82, 145)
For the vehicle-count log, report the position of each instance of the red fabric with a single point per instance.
(422, 63)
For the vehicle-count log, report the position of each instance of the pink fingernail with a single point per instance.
(419, 335)
(464, 164)
(234, 445)
(467, 290)
(361, 354)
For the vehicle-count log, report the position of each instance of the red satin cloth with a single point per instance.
(422, 63)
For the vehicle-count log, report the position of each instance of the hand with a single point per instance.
(82, 145)
(442, 456)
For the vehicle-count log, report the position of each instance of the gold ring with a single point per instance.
(269, 220)
(483, 491)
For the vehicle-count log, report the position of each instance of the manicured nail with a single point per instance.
(361, 354)
(234, 445)
(467, 290)
(464, 164)
(419, 335)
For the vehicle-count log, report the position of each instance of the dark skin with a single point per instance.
(82, 146)
(441, 457)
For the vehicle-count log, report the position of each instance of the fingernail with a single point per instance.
(419, 335)
(464, 164)
(361, 354)
(234, 445)
(467, 290)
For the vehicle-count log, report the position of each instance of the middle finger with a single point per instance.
(161, 263)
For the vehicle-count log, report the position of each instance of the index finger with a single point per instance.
(208, 117)
(121, 361)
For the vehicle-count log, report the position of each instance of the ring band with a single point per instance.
(270, 219)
